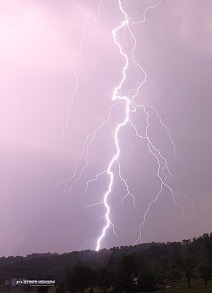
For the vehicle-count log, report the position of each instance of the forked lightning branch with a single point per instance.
(162, 172)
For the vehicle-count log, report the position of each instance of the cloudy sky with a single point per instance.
(47, 111)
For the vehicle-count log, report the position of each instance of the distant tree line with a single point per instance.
(139, 268)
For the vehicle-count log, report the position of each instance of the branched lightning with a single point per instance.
(90, 137)
(132, 106)
(129, 105)
(163, 172)
(78, 170)
(75, 75)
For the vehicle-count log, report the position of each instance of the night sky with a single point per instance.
(47, 112)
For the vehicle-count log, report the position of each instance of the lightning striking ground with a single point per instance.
(131, 106)
(163, 172)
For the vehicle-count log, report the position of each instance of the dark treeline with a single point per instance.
(139, 268)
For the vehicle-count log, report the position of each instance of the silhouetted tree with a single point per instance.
(205, 272)
(173, 274)
(187, 264)
(79, 278)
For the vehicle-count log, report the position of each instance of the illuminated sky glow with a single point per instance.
(58, 120)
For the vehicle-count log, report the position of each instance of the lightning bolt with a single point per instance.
(163, 170)
(131, 107)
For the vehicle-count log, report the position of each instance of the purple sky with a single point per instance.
(37, 41)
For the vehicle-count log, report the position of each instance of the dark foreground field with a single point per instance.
(181, 287)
